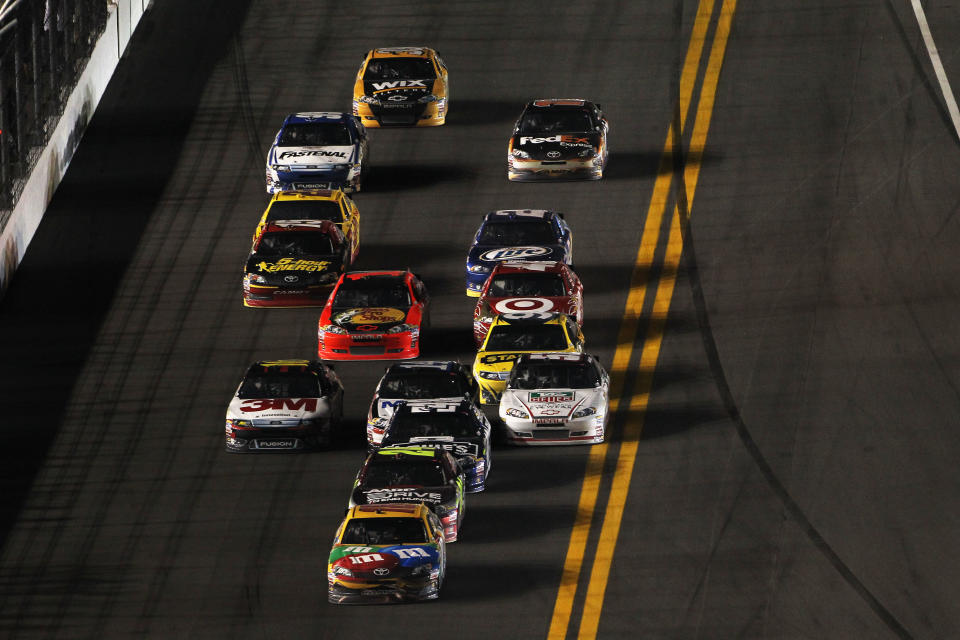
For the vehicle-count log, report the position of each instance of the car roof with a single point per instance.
(560, 356)
(532, 266)
(460, 406)
(419, 365)
(332, 195)
(520, 318)
(402, 52)
(387, 510)
(317, 116)
(519, 215)
(282, 226)
(560, 102)
(399, 453)
(283, 366)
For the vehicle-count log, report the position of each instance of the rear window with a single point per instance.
(305, 210)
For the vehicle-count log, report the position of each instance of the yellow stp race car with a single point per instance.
(402, 86)
(512, 334)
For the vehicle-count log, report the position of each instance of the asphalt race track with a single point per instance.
(796, 472)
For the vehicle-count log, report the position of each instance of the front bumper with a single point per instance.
(348, 181)
(588, 430)
(288, 439)
(570, 169)
(263, 295)
(387, 346)
(387, 591)
(491, 390)
(475, 282)
(430, 114)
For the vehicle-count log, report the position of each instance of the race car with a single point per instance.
(294, 263)
(556, 398)
(558, 138)
(527, 286)
(512, 334)
(373, 315)
(317, 150)
(517, 235)
(318, 204)
(444, 382)
(387, 553)
(405, 86)
(458, 427)
(411, 475)
(284, 405)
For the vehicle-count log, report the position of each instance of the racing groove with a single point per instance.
(124, 334)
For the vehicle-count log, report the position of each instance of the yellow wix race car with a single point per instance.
(318, 204)
(512, 334)
(402, 86)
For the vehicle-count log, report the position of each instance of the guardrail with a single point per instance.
(56, 58)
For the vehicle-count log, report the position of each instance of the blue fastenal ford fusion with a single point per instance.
(317, 150)
(517, 235)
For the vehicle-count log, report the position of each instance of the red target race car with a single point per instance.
(527, 287)
(373, 315)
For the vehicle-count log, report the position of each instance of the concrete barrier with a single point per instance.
(123, 18)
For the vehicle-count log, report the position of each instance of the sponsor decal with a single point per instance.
(400, 84)
(370, 337)
(366, 558)
(497, 358)
(551, 396)
(279, 404)
(291, 264)
(426, 407)
(390, 495)
(411, 552)
(275, 444)
(564, 140)
(513, 253)
(458, 449)
(356, 549)
(312, 154)
(372, 315)
(389, 405)
(312, 185)
(513, 305)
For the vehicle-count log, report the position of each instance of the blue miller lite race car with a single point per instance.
(317, 150)
(517, 235)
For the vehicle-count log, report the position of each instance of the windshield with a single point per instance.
(554, 375)
(525, 285)
(554, 120)
(421, 385)
(305, 210)
(515, 233)
(295, 243)
(387, 471)
(527, 337)
(399, 69)
(407, 425)
(314, 134)
(383, 531)
(280, 385)
(377, 293)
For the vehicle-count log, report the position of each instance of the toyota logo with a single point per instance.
(290, 278)
(380, 571)
(553, 154)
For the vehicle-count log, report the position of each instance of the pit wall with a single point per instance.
(123, 18)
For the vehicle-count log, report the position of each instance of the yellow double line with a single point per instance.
(662, 287)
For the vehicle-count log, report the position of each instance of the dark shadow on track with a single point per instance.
(481, 112)
(390, 178)
(92, 229)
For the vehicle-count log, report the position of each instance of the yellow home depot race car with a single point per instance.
(512, 334)
(317, 204)
(402, 86)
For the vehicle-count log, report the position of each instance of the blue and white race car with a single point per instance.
(517, 235)
(317, 150)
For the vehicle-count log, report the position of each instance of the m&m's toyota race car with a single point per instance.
(414, 474)
(558, 138)
(317, 150)
(284, 405)
(387, 553)
(512, 334)
(556, 398)
(515, 235)
(533, 287)
(426, 380)
(402, 86)
(373, 315)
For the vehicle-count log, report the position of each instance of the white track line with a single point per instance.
(937, 66)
